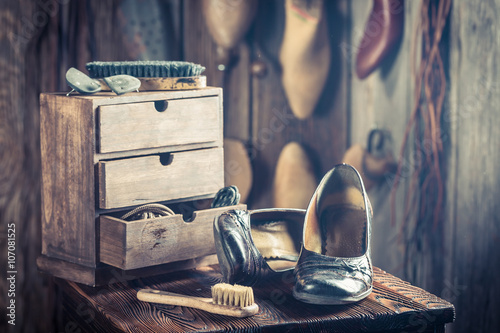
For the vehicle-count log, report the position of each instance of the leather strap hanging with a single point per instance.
(424, 199)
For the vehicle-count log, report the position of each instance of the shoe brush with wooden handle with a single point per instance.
(228, 300)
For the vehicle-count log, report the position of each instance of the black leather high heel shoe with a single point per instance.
(252, 246)
(334, 266)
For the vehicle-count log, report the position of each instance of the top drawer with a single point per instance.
(158, 124)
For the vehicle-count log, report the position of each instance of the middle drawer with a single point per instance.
(155, 178)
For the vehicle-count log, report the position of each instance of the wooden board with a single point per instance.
(237, 167)
(256, 110)
(109, 98)
(68, 219)
(384, 100)
(473, 221)
(197, 46)
(103, 274)
(155, 178)
(461, 271)
(166, 122)
(135, 244)
(167, 83)
(38, 43)
(48, 49)
(324, 134)
(393, 306)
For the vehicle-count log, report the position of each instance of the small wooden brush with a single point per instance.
(227, 299)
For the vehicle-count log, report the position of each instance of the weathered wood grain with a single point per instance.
(109, 98)
(394, 306)
(38, 42)
(166, 83)
(152, 151)
(106, 37)
(20, 170)
(104, 274)
(462, 271)
(82, 31)
(237, 167)
(237, 95)
(384, 100)
(324, 134)
(71, 126)
(165, 122)
(199, 47)
(471, 224)
(140, 180)
(474, 181)
(135, 244)
(67, 146)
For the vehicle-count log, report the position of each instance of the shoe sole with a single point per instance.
(322, 300)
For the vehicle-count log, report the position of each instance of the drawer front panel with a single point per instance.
(158, 124)
(136, 244)
(140, 180)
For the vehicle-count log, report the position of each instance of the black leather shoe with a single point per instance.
(334, 266)
(252, 246)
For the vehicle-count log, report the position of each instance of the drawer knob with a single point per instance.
(259, 69)
(161, 106)
(166, 159)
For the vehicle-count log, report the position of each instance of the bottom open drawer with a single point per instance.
(136, 244)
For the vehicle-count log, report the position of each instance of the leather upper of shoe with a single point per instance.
(251, 246)
(335, 259)
(329, 276)
(239, 260)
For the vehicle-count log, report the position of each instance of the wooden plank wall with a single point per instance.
(253, 103)
(470, 257)
(72, 37)
(324, 134)
(474, 178)
(383, 100)
(39, 41)
(71, 33)
(19, 167)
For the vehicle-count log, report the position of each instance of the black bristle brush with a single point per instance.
(101, 69)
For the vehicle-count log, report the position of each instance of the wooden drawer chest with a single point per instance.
(103, 155)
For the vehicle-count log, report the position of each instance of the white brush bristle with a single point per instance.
(227, 294)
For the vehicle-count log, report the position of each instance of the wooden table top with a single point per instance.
(393, 306)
